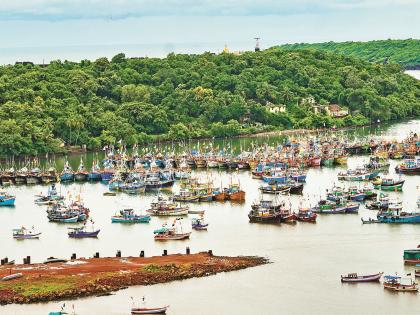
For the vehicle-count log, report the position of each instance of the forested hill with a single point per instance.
(404, 52)
(184, 96)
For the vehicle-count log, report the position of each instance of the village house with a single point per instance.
(275, 109)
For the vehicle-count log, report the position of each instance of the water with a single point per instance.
(307, 259)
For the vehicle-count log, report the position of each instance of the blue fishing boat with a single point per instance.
(297, 175)
(399, 217)
(275, 177)
(128, 216)
(95, 172)
(67, 174)
(6, 200)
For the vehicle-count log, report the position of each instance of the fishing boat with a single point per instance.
(25, 234)
(377, 163)
(159, 180)
(95, 172)
(275, 188)
(409, 167)
(389, 184)
(82, 232)
(6, 200)
(81, 174)
(399, 217)
(128, 216)
(50, 198)
(67, 174)
(297, 175)
(49, 176)
(234, 192)
(186, 195)
(166, 207)
(412, 256)
(275, 176)
(358, 174)
(199, 223)
(340, 206)
(381, 203)
(306, 215)
(264, 215)
(219, 194)
(287, 216)
(399, 284)
(174, 232)
(355, 278)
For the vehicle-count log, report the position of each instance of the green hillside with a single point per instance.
(404, 52)
(185, 96)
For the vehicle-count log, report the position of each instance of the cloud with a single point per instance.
(118, 9)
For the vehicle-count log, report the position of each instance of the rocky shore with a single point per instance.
(101, 276)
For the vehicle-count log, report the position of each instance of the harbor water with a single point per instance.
(306, 259)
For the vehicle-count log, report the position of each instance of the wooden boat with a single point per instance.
(219, 195)
(353, 278)
(12, 276)
(412, 256)
(264, 215)
(81, 174)
(186, 195)
(199, 223)
(287, 216)
(95, 172)
(399, 217)
(282, 189)
(128, 216)
(409, 167)
(388, 184)
(171, 233)
(67, 174)
(81, 232)
(359, 174)
(7, 201)
(234, 192)
(399, 284)
(25, 234)
(146, 310)
(306, 215)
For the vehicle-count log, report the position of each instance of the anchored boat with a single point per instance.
(354, 277)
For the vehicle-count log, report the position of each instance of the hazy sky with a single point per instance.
(44, 29)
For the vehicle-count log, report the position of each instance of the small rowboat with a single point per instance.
(353, 277)
(146, 310)
(12, 276)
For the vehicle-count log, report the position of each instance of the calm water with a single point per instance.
(307, 259)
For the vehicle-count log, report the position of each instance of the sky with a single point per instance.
(42, 30)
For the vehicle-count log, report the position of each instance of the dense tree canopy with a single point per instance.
(98, 102)
(404, 52)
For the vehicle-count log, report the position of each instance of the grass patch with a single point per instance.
(44, 286)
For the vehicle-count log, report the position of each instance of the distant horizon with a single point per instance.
(152, 50)
(75, 30)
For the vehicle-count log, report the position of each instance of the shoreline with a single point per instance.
(74, 150)
(102, 276)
